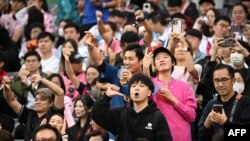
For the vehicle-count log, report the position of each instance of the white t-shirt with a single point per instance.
(50, 65)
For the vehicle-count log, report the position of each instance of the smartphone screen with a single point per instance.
(177, 26)
(218, 108)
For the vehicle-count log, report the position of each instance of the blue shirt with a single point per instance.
(110, 75)
(89, 12)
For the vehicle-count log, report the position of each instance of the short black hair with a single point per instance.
(140, 77)
(230, 69)
(116, 13)
(161, 17)
(6, 135)
(129, 37)
(134, 24)
(174, 3)
(87, 101)
(2, 56)
(179, 16)
(29, 28)
(136, 48)
(222, 18)
(57, 75)
(72, 25)
(32, 53)
(112, 26)
(43, 35)
(46, 127)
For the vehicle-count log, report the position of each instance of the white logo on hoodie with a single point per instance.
(149, 126)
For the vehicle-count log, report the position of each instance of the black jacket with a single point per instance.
(127, 125)
(241, 116)
(192, 11)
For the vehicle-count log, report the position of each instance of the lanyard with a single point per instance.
(236, 100)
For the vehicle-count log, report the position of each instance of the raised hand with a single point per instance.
(6, 81)
(35, 79)
(98, 15)
(147, 60)
(66, 54)
(90, 40)
(113, 90)
(139, 16)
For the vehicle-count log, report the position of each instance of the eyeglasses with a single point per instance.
(222, 80)
(224, 26)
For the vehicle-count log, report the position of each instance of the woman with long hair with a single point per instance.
(82, 107)
(205, 23)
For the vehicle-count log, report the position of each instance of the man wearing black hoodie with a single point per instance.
(141, 120)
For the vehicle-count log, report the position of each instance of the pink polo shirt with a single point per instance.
(179, 117)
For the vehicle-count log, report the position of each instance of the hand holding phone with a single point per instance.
(217, 108)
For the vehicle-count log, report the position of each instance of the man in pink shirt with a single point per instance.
(173, 97)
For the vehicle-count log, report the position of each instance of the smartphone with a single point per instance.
(229, 42)
(218, 108)
(177, 26)
(146, 7)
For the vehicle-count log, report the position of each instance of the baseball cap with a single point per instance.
(195, 33)
(208, 1)
(75, 57)
(163, 49)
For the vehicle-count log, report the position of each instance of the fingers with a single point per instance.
(98, 15)
(114, 87)
(139, 15)
(113, 90)
(66, 54)
(6, 79)
(35, 78)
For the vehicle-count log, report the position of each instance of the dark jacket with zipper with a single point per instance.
(147, 125)
(241, 116)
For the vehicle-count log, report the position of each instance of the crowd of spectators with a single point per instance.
(134, 70)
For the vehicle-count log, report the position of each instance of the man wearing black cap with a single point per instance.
(194, 36)
(204, 5)
(75, 77)
(173, 97)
